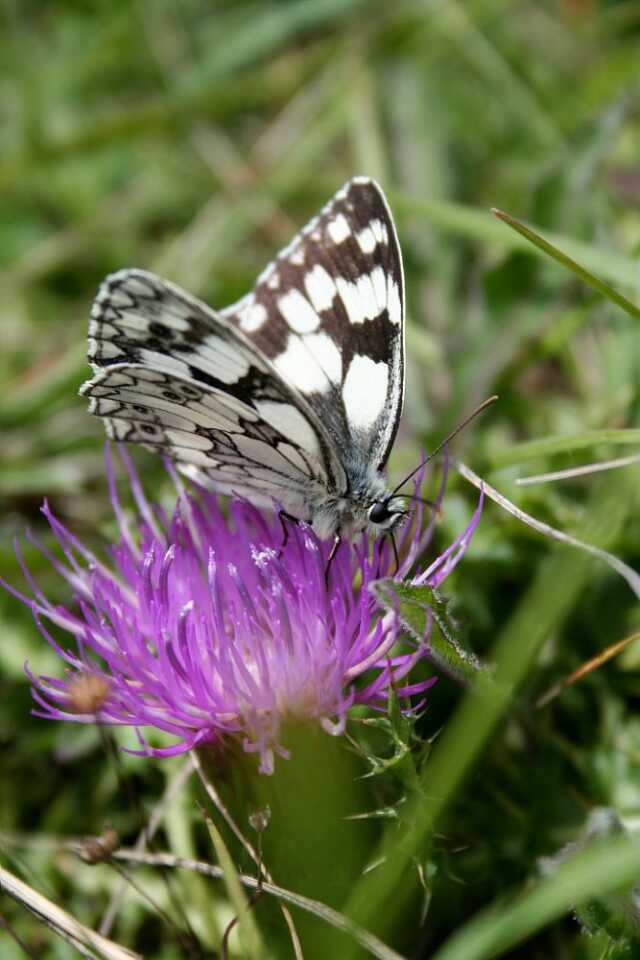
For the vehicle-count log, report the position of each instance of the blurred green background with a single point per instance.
(193, 139)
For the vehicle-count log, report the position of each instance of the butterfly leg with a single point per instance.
(282, 516)
(337, 540)
(395, 552)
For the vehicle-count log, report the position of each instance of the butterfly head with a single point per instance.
(368, 506)
(386, 513)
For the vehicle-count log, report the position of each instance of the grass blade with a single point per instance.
(566, 261)
(594, 872)
(247, 928)
(547, 446)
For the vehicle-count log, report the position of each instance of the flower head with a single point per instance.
(207, 625)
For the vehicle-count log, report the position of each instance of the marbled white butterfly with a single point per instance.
(291, 395)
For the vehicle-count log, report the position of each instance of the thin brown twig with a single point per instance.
(607, 654)
(193, 948)
(5, 925)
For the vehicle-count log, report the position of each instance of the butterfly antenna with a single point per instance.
(454, 433)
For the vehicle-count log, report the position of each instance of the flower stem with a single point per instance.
(309, 845)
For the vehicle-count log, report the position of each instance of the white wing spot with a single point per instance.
(263, 454)
(297, 256)
(379, 285)
(213, 356)
(253, 317)
(349, 295)
(115, 298)
(379, 230)
(339, 229)
(366, 240)
(195, 458)
(132, 320)
(192, 441)
(320, 288)
(394, 307)
(294, 456)
(372, 235)
(291, 423)
(298, 312)
(365, 391)
(312, 363)
(103, 349)
(364, 299)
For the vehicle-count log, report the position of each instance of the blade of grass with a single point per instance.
(566, 261)
(603, 868)
(572, 472)
(547, 446)
(252, 946)
(473, 223)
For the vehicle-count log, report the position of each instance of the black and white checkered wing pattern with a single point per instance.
(329, 314)
(172, 374)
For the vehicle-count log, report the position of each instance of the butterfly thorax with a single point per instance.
(367, 505)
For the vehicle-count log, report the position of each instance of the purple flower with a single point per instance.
(205, 627)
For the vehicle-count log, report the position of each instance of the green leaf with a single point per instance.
(418, 608)
(405, 754)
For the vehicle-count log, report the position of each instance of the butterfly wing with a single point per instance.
(175, 376)
(329, 314)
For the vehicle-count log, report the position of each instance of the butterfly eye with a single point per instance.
(379, 512)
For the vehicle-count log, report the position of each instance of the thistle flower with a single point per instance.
(205, 626)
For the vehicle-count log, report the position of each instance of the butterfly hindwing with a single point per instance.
(329, 314)
(175, 376)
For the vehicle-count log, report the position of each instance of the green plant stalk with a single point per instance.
(309, 845)
(383, 895)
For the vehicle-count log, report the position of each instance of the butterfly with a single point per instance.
(293, 394)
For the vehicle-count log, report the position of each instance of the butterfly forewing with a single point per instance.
(329, 314)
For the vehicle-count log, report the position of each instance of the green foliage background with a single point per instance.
(193, 139)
